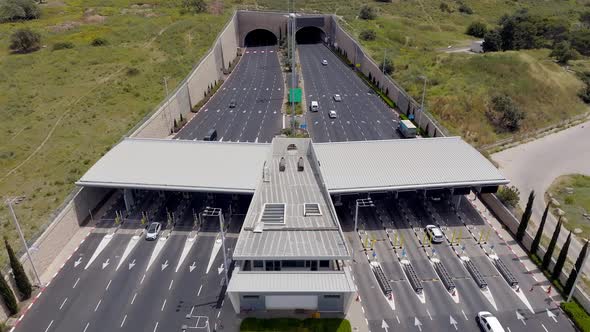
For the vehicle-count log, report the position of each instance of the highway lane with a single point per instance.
(362, 115)
(256, 85)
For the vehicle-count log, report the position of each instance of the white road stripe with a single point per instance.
(171, 282)
(98, 305)
(47, 329)
(133, 300)
(156, 327)
(76, 283)
(63, 303)
(86, 328)
(163, 305)
(200, 288)
(108, 285)
(124, 319)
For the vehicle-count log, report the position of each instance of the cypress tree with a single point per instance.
(551, 247)
(20, 277)
(562, 256)
(8, 296)
(526, 217)
(577, 267)
(537, 240)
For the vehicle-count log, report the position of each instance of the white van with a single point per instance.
(314, 106)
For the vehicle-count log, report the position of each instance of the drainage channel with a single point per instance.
(412, 276)
(474, 271)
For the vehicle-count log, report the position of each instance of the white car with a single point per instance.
(153, 231)
(332, 114)
(488, 323)
(435, 234)
(337, 97)
(325, 62)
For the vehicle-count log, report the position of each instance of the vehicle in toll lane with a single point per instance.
(325, 62)
(337, 97)
(488, 323)
(211, 135)
(232, 104)
(435, 234)
(407, 129)
(314, 106)
(332, 114)
(153, 231)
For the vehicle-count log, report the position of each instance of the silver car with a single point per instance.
(488, 323)
(153, 231)
(337, 97)
(435, 234)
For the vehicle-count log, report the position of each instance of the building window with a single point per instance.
(251, 296)
(331, 296)
(293, 264)
(258, 264)
(324, 263)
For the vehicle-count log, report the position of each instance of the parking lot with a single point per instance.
(393, 231)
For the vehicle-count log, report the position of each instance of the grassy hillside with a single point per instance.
(416, 33)
(61, 110)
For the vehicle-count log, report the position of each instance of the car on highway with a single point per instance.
(232, 104)
(435, 234)
(488, 323)
(325, 62)
(153, 231)
(332, 114)
(337, 97)
(211, 135)
(314, 106)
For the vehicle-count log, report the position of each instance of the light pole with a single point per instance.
(217, 212)
(293, 67)
(17, 200)
(361, 202)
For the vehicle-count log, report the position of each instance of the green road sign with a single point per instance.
(295, 95)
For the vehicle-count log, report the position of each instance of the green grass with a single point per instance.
(576, 204)
(580, 317)
(296, 325)
(62, 110)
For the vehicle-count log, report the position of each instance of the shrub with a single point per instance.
(577, 314)
(504, 113)
(463, 8)
(563, 52)
(386, 66)
(477, 29)
(8, 296)
(16, 10)
(99, 41)
(368, 34)
(581, 41)
(584, 94)
(20, 277)
(492, 41)
(444, 7)
(367, 12)
(62, 46)
(194, 6)
(25, 41)
(132, 71)
(508, 195)
(569, 200)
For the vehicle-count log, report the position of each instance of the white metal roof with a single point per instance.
(179, 165)
(403, 164)
(291, 282)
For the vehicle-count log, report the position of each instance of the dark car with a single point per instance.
(211, 135)
(232, 104)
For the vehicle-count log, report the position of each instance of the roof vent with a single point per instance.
(282, 164)
(300, 164)
(311, 209)
(273, 213)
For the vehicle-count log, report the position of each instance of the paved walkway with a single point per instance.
(534, 166)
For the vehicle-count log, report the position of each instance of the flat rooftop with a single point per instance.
(290, 217)
(404, 164)
(179, 165)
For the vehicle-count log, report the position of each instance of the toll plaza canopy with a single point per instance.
(404, 164)
(344, 167)
(179, 165)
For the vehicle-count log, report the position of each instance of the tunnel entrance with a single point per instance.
(260, 37)
(309, 35)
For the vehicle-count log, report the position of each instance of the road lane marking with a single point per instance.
(163, 305)
(141, 282)
(63, 303)
(544, 328)
(464, 315)
(86, 328)
(429, 315)
(108, 285)
(134, 296)
(199, 293)
(130, 245)
(396, 317)
(124, 319)
(47, 329)
(171, 282)
(97, 305)
(218, 313)
(103, 244)
(156, 327)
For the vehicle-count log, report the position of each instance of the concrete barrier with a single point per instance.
(509, 220)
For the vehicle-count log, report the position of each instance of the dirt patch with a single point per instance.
(65, 26)
(92, 16)
(144, 10)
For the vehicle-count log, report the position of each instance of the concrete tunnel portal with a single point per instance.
(310, 35)
(260, 37)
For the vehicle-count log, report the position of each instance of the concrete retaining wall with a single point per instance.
(505, 216)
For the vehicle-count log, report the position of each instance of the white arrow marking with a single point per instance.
(214, 251)
(188, 244)
(453, 322)
(132, 264)
(551, 315)
(384, 325)
(130, 245)
(418, 324)
(220, 269)
(159, 245)
(105, 264)
(520, 317)
(103, 243)
(192, 267)
(77, 262)
(165, 265)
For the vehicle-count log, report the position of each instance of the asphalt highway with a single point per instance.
(361, 115)
(438, 310)
(256, 85)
